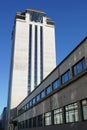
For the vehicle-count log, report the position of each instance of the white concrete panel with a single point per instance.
(49, 59)
(33, 56)
(38, 57)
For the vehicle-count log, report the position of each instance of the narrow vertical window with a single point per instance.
(58, 116)
(47, 118)
(41, 53)
(35, 60)
(34, 122)
(84, 108)
(30, 57)
(40, 120)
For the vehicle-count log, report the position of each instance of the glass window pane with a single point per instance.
(38, 97)
(43, 94)
(33, 100)
(30, 103)
(58, 119)
(84, 107)
(79, 67)
(40, 120)
(56, 84)
(72, 113)
(48, 90)
(48, 118)
(66, 77)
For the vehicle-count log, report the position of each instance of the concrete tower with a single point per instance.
(33, 54)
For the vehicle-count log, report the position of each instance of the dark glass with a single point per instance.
(40, 120)
(34, 122)
(30, 103)
(30, 123)
(43, 94)
(48, 90)
(34, 101)
(29, 63)
(38, 97)
(35, 60)
(36, 17)
(65, 77)
(56, 84)
(79, 67)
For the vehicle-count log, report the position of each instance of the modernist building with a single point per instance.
(60, 100)
(33, 54)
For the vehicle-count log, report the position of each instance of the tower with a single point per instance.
(33, 54)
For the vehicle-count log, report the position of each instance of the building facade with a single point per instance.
(60, 101)
(33, 54)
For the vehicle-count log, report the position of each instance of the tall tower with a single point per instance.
(33, 53)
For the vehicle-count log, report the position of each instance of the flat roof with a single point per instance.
(34, 10)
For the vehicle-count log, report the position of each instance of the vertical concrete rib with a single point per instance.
(33, 57)
(41, 53)
(38, 56)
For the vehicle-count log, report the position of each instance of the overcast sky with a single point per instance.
(70, 17)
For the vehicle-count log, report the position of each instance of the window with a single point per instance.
(30, 103)
(34, 101)
(30, 57)
(79, 67)
(36, 17)
(65, 77)
(58, 116)
(27, 105)
(48, 89)
(19, 125)
(38, 97)
(22, 124)
(47, 118)
(30, 123)
(84, 108)
(26, 124)
(71, 113)
(56, 84)
(34, 122)
(43, 94)
(40, 120)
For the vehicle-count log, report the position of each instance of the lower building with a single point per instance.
(60, 100)
(3, 119)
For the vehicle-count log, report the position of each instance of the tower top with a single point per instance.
(34, 10)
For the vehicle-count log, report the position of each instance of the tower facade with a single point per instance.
(33, 54)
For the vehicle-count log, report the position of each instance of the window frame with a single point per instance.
(46, 117)
(57, 115)
(69, 111)
(53, 87)
(63, 76)
(47, 89)
(44, 94)
(83, 114)
(79, 67)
